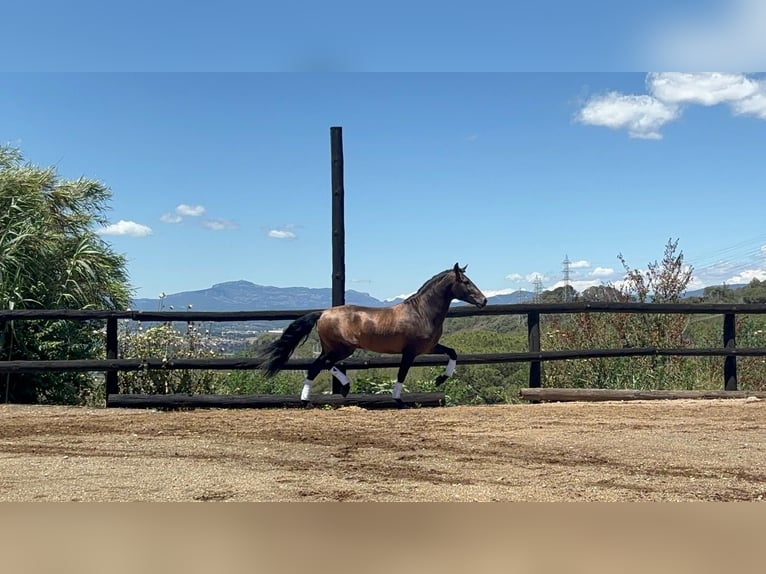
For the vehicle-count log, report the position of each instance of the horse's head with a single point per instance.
(464, 289)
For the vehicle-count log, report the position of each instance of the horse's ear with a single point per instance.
(457, 269)
(464, 268)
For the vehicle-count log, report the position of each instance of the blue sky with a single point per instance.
(344, 35)
(220, 177)
(396, 35)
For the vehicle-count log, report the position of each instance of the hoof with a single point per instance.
(400, 404)
(440, 380)
(306, 404)
(344, 390)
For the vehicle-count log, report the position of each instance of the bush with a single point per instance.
(167, 343)
(663, 282)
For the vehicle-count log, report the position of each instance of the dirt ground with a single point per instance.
(645, 450)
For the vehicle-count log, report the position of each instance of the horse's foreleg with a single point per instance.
(439, 348)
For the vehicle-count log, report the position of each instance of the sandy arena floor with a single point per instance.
(648, 450)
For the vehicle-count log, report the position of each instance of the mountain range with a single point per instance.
(247, 296)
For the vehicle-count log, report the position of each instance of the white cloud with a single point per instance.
(123, 227)
(171, 218)
(497, 292)
(582, 264)
(219, 224)
(755, 105)
(190, 210)
(696, 283)
(602, 272)
(535, 275)
(763, 250)
(642, 116)
(730, 36)
(747, 275)
(706, 89)
(402, 296)
(472, 137)
(734, 271)
(281, 234)
(185, 210)
(181, 211)
(578, 285)
(518, 276)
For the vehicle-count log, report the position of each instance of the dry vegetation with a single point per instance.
(655, 450)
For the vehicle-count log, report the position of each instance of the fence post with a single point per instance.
(533, 336)
(338, 229)
(112, 384)
(730, 342)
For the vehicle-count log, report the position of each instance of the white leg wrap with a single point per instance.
(397, 390)
(450, 367)
(306, 392)
(340, 375)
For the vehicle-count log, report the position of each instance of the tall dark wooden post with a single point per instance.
(533, 338)
(112, 384)
(338, 228)
(730, 342)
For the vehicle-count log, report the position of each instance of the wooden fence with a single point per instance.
(112, 365)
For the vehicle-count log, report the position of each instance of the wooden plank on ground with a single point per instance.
(564, 394)
(174, 401)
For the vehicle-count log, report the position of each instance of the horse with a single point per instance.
(410, 328)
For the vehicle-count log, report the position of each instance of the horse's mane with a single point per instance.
(428, 285)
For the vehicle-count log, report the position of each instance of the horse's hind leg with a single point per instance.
(326, 360)
(314, 369)
(343, 378)
(338, 355)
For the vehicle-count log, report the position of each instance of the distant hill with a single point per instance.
(247, 296)
(512, 298)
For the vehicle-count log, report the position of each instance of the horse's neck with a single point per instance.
(435, 302)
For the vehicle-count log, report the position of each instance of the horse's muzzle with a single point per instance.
(481, 303)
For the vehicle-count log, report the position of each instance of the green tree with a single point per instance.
(51, 257)
(754, 292)
(602, 293)
(559, 295)
(719, 294)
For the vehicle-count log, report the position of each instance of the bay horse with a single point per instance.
(410, 328)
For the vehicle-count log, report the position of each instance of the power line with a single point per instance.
(747, 248)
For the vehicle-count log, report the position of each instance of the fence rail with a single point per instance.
(460, 311)
(535, 355)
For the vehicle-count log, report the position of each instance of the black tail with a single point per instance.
(274, 357)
